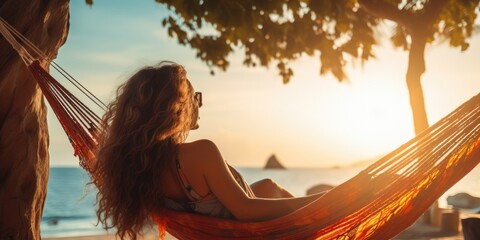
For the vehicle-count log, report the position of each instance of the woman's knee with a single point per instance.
(270, 189)
(264, 188)
(268, 182)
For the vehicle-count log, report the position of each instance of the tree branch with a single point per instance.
(433, 8)
(382, 9)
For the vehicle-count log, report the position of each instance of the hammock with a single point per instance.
(378, 203)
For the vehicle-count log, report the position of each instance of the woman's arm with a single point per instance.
(232, 196)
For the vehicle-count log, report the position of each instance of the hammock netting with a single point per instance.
(377, 203)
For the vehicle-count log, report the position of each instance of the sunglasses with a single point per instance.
(198, 98)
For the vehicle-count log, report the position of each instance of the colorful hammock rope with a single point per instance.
(378, 203)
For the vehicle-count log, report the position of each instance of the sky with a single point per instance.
(313, 121)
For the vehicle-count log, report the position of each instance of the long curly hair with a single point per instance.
(139, 137)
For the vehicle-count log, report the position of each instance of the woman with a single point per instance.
(144, 163)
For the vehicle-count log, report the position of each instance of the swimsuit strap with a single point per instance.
(187, 187)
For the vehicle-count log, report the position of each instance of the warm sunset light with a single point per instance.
(296, 119)
(311, 121)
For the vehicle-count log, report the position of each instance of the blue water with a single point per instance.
(69, 211)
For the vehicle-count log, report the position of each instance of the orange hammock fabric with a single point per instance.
(378, 203)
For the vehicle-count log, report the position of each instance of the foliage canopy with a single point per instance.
(280, 32)
(336, 31)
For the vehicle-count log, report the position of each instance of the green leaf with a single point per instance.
(281, 31)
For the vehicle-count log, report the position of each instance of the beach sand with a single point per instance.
(106, 237)
(149, 236)
(103, 237)
(417, 231)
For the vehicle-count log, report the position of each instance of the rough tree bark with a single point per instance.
(24, 159)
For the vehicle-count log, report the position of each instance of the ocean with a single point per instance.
(69, 209)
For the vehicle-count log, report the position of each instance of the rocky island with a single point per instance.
(273, 163)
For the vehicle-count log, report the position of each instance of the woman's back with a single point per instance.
(189, 160)
(187, 189)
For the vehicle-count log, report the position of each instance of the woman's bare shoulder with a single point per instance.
(199, 152)
(199, 146)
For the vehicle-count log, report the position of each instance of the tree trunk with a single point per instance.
(23, 124)
(416, 67)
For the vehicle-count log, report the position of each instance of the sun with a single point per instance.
(374, 117)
